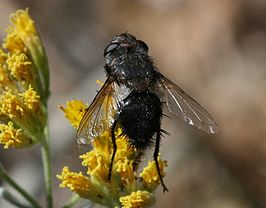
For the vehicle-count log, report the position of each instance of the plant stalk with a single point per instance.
(46, 159)
(11, 199)
(4, 175)
(74, 199)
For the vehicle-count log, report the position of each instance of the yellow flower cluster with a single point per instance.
(150, 176)
(74, 111)
(126, 188)
(19, 66)
(138, 199)
(23, 84)
(12, 137)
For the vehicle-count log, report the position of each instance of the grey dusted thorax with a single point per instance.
(136, 72)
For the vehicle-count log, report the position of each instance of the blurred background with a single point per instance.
(215, 50)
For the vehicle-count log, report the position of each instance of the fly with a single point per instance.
(133, 97)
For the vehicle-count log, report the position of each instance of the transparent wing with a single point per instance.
(183, 106)
(100, 114)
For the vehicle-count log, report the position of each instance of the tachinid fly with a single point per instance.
(133, 96)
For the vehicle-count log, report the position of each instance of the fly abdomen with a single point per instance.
(140, 118)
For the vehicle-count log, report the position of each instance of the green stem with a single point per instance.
(11, 199)
(74, 199)
(11, 182)
(46, 159)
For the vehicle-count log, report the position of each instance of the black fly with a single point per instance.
(133, 96)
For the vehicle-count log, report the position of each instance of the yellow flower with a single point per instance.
(150, 176)
(84, 186)
(76, 182)
(31, 98)
(137, 199)
(123, 147)
(23, 23)
(23, 38)
(20, 67)
(24, 84)
(126, 187)
(96, 163)
(23, 109)
(127, 175)
(14, 43)
(12, 137)
(11, 105)
(74, 111)
(5, 78)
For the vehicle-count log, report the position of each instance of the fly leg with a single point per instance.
(114, 149)
(155, 157)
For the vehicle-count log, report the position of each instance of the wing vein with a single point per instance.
(182, 105)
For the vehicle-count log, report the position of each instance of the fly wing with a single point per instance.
(101, 113)
(185, 107)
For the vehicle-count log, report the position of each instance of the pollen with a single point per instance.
(12, 137)
(19, 66)
(150, 175)
(137, 199)
(30, 98)
(74, 111)
(10, 105)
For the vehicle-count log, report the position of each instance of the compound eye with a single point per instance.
(110, 48)
(143, 46)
